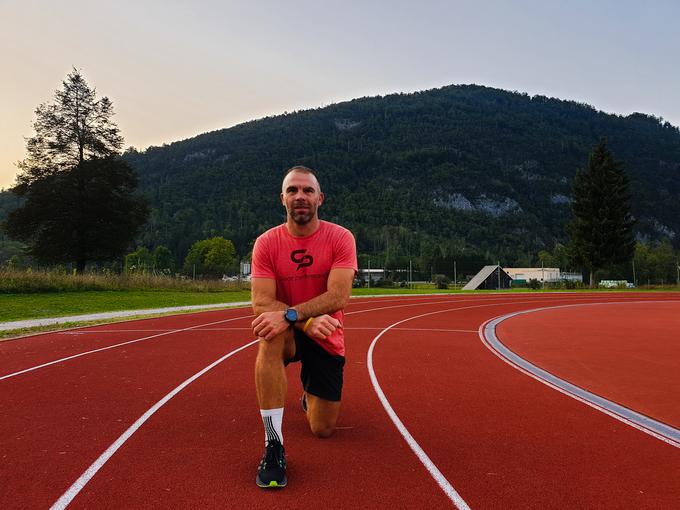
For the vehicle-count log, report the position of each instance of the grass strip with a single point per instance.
(14, 307)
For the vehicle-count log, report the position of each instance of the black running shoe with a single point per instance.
(303, 401)
(272, 469)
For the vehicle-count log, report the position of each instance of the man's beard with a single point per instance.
(302, 218)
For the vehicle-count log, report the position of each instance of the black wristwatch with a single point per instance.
(291, 316)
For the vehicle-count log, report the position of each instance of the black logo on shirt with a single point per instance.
(302, 260)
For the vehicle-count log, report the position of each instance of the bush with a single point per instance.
(441, 281)
(534, 284)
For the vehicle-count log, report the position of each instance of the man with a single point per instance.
(302, 274)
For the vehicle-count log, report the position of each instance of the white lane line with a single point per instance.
(78, 485)
(434, 471)
(250, 329)
(61, 360)
(438, 330)
(659, 430)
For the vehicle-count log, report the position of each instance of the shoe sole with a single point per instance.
(272, 485)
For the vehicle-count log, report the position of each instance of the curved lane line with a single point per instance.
(657, 429)
(434, 471)
(78, 485)
(60, 360)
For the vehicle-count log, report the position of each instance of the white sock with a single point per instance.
(272, 420)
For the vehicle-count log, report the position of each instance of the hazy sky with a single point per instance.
(176, 69)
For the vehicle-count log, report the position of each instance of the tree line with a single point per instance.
(395, 165)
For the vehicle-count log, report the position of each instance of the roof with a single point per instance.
(483, 274)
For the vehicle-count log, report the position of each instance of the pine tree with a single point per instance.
(79, 196)
(601, 230)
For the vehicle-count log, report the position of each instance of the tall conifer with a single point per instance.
(602, 226)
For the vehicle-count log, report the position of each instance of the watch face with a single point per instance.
(291, 315)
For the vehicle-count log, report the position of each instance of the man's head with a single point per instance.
(301, 194)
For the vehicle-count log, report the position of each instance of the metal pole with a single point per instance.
(542, 275)
(369, 272)
(410, 274)
(498, 274)
(634, 279)
(455, 276)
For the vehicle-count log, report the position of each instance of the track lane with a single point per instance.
(62, 417)
(375, 320)
(511, 442)
(56, 421)
(626, 352)
(209, 457)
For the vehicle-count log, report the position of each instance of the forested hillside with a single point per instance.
(465, 172)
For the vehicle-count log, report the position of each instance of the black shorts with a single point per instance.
(321, 372)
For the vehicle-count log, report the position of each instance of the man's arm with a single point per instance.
(339, 288)
(269, 321)
(335, 298)
(263, 296)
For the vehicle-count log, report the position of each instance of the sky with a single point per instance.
(175, 69)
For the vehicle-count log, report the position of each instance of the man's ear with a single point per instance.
(283, 202)
(321, 197)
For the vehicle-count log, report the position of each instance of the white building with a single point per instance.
(542, 274)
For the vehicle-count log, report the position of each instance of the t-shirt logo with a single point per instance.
(302, 260)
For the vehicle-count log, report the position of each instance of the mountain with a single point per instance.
(465, 172)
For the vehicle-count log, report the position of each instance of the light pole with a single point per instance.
(369, 272)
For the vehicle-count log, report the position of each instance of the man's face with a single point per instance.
(301, 197)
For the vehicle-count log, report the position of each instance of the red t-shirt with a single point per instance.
(301, 265)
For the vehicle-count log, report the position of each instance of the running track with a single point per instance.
(490, 435)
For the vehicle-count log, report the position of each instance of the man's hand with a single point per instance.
(269, 324)
(322, 327)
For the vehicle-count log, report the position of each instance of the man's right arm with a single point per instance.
(263, 295)
(270, 320)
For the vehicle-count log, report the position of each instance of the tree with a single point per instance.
(163, 260)
(211, 257)
(75, 127)
(139, 261)
(79, 196)
(601, 230)
(89, 213)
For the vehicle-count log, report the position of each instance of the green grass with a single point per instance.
(40, 281)
(14, 307)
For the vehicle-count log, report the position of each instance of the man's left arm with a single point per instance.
(339, 288)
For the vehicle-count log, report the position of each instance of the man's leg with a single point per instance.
(322, 415)
(271, 385)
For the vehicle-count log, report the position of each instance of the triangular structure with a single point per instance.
(488, 278)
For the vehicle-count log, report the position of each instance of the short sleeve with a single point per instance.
(261, 264)
(345, 251)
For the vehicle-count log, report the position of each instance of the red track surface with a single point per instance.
(500, 438)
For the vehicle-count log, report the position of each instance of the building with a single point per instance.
(542, 274)
(376, 275)
(489, 278)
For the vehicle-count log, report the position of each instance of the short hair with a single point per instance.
(303, 170)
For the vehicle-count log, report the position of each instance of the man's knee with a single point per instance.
(322, 430)
(273, 348)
